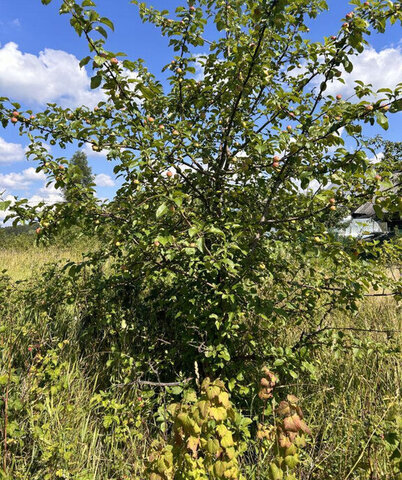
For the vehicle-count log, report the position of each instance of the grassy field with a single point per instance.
(62, 422)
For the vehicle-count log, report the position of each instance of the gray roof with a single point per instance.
(364, 211)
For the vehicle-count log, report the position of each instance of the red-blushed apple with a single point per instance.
(150, 119)
(377, 177)
(32, 117)
(38, 231)
(332, 207)
(114, 61)
(277, 158)
(345, 25)
(192, 9)
(339, 97)
(161, 127)
(156, 243)
(369, 107)
(179, 71)
(275, 164)
(332, 201)
(169, 174)
(193, 245)
(14, 120)
(96, 108)
(349, 15)
(289, 128)
(15, 113)
(291, 114)
(366, 4)
(333, 37)
(175, 133)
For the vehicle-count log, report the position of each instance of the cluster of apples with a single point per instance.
(15, 116)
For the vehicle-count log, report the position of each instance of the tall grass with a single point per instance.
(62, 422)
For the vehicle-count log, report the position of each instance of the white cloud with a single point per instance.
(382, 69)
(48, 194)
(51, 76)
(91, 153)
(20, 180)
(376, 158)
(11, 152)
(103, 180)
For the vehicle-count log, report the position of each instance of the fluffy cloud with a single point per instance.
(382, 69)
(47, 194)
(103, 180)
(11, 152)
(20, 180)
(51, 76)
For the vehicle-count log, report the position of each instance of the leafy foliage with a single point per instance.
(215, 254)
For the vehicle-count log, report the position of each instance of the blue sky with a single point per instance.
(39, 54)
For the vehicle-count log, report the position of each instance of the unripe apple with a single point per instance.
(175, 132)
(385, 107)
(338, 73)
(179, 71)
(117, 244)
(339, 97)
(114, 61)
(332, 207)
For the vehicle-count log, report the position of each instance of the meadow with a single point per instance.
(62, 419)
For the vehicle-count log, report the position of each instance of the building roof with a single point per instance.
(364, 211)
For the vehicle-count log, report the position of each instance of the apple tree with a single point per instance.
(215, 250)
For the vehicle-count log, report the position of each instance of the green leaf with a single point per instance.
(85, 61)
(162, 210)
(107, 22)
(96, 81)
(4, 205)
(382, 120)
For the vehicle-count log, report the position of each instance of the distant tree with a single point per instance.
(82, 174)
